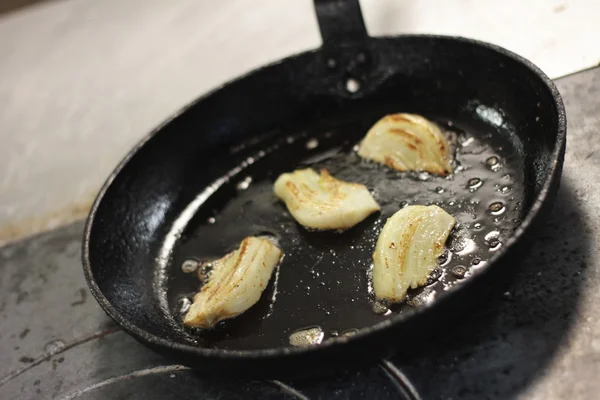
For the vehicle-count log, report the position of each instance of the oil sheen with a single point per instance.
(323, 280)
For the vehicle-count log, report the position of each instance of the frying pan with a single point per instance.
(198, 184)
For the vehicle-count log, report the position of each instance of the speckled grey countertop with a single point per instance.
(540, 341)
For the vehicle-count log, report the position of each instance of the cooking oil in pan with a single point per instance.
(323, 280)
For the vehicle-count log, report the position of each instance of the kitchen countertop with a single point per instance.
(81, 81)
(540, 340)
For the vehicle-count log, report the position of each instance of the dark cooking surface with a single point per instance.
(325, 273)
(540, 340)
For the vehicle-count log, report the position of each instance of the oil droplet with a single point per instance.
(494, 244)
(491, 235)
(490, 115)
(497, 208)
(439, 189)
(243, 185)
(307, 337)
(459, 271)
(211, 220)
(424, 176)
(370, 279)
(475, 261)
(467, 142)
(477, 225)
(445, 258)
(380, 307)
(468, 246)
(474, 184)
(184, 305)
(352, 85)
(189, 266)
(505, 189)
(433, 276)
(493, 163)
(422, 299)
(403, 203)
(204, 270)
(54, 346)
(312, 144)
(451, 203)
(335, 333)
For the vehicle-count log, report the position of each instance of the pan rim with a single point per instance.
(209, 353)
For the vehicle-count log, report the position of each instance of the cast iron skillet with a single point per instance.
(197, 185)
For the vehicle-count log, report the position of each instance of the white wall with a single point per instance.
(81, 80)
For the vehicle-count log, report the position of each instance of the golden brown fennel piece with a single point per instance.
(407, 142)
(319, 201)
(235, 283)
(408, 249)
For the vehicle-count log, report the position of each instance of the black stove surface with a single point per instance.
(540, 340)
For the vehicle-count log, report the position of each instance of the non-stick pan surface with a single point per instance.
(203, 181)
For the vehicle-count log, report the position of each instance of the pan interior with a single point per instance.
(323, 279)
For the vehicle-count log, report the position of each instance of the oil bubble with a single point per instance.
(491, 235)
(494, 244)
(493, 163)
(439, 189)
(189, 266)
(422, 299)
(307, 337)
(184, 305)
(243, 185)
(445, 258)
(467, 142)
(459, 271)
(474, 184)
(211, 220)
(497, 208)
(434, 276)
(424, 176)
(380, 307)
(312, 144)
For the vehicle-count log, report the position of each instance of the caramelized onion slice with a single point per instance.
(407, 142)
(235, 283)
(407, 250)
(320, 201)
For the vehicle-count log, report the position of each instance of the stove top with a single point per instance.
(541, 340)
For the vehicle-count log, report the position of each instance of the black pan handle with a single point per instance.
(340, 21)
